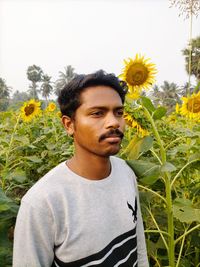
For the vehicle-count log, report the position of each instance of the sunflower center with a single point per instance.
(193, 105)
(29, 109)
(137, 74)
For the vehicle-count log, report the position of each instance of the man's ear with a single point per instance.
(68, 124)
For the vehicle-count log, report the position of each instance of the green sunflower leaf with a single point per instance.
(146, 102)
(147, 172)
(168, 167)
(159, 113)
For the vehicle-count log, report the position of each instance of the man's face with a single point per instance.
(98, 125)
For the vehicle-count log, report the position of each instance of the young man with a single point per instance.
(85, 212)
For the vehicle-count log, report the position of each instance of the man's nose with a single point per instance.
(112, 121)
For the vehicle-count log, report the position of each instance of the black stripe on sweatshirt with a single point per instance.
(114, 252)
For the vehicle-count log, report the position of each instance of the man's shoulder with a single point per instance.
(46, 184)
(119, 161)
(121, 164)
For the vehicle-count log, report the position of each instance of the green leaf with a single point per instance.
(34, 159)
(146, 102)
(138, 145)
(151, 179)
(4, 207)
(22, 139)
(146, 143)
(50, 146)
(8, 208)
(18, 175)
(194, 157)
(184, 211)
(147, 172)
(133, 150)
(44, 153)
(159, 113)
(42, 137)
(168, 167)
(6, 244)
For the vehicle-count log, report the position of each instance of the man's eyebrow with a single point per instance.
(104, 107)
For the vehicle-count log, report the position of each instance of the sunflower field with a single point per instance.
(162, 148)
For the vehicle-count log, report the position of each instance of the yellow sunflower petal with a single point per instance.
(191, 106)
(51, 107)
(30, 110)
(138, 73)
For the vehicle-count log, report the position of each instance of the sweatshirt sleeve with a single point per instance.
(141, 244)
(33, 237)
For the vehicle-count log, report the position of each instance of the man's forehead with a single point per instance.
(100, 96)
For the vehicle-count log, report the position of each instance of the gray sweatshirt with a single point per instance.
(66, 220)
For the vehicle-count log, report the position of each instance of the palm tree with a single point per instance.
(195, 60)
(64, 78)
(167, 95)
(46, 87)
(156, 95)
(34, 74)
(170, 94)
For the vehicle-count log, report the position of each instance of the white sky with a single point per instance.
(90, 35)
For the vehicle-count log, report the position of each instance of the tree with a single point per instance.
(64, 78)
(4, 89)
(195, 59)
(4, 95)
(156, 95)
(34, 74)
(20, 96)
(167, 95)
(46, 87)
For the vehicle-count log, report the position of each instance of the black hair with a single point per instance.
(69, 96)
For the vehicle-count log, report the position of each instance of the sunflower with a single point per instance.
(139, 74)
(59, 114)
(30, 110)
(51, 107)
(191, 106)
(177, 108)
(130, 121)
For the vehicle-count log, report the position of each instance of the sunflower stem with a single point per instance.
(157, 136)
(166, 176)
(5, 169)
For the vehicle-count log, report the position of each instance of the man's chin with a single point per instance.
(111, 152)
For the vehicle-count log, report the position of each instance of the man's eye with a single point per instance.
(97, 113)
(120, 113)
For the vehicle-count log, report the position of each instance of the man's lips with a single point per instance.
(113, 139)
(113, 135)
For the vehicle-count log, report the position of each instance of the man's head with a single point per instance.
(69, 97)
(92, 109)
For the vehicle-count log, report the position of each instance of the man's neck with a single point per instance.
(92, 168)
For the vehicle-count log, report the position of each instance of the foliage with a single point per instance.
(64, 78)
(4, 95)
(165, 161)
(20, 96)
(167, 95)
(46, 87)
(167, 165)
(27, 152)
(195, 57)
(187, 7)
(34, 74)
(163, 150)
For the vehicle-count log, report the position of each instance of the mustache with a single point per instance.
(111, 133)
